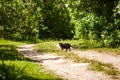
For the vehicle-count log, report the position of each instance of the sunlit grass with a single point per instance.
(50, 47)
(8, 42)
(24, 70)
(33, 70)
(14, 66)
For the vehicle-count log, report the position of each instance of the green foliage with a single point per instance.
(18, 20)
(32, 20)
(28, 20)
(56, 20)
(84, 27)
(97, 20)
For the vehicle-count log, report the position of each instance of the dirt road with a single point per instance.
(101, 57)
(66, 68)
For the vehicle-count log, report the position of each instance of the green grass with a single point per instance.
(50, 47)
(106, 68)
(16, 67)
(13, 66)
(8, 42)
(93, 45)
(24, 70)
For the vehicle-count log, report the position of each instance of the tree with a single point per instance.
(56, 20)
(95, 19)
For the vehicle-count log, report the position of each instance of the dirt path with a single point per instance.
(63, 67)
(101, 57)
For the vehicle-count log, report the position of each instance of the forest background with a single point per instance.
(97, 21)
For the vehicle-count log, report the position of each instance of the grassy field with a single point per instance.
(24, 70)
(50, 47)
(8, 42)
(13, 66)
(80, 45)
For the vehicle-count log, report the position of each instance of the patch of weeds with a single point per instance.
(46, 47)
(112, 51)
(106, 68)
(72, 56)
(86, 44)
(93, 45)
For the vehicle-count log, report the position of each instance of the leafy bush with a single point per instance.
(95, 23)
(18, 21)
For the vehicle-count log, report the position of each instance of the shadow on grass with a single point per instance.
(9, 52)
(10, 71)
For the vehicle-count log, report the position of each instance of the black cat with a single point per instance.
(65, 46)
